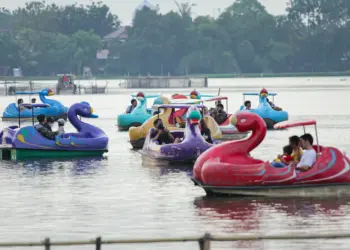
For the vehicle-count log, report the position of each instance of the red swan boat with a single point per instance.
(228, 169)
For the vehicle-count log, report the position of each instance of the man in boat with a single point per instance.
(247, 105)
(131, 107)
(162, 134)
(309, 156)
(219, 114)
(33, 100)
(42, 128)
(273, 106)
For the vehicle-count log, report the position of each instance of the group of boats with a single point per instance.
(223, 166)
(226, 167)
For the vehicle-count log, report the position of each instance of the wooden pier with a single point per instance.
(204, 242)
(148, 82)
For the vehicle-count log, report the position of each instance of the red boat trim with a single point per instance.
(267, 187)
(291, 124)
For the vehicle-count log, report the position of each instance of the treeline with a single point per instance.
(47, 39)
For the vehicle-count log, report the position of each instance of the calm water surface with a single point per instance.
(119, 196)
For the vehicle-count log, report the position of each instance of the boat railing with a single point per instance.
(203, 241)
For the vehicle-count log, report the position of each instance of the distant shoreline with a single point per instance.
(227, 76)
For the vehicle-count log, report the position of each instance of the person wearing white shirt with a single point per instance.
(308, 158)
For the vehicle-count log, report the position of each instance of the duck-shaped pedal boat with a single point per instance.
(192, 145)
(26, 142)
(228, 168)
(55, 110)
(139, 115)
(270, 115)
(137, 135)
(229, 132)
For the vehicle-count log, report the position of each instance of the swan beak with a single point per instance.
(233, 120)
(194, 121)
(50, 93)
(92, 115)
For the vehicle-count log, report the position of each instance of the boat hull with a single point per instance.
(13, 154)
(298, 190)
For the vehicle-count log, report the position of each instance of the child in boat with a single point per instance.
(49, 123)
(61, 123)
(285, 159)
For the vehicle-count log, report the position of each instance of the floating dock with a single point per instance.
(149, 82)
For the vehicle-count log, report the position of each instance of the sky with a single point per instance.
(124, 8)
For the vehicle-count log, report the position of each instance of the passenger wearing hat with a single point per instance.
(42, 128)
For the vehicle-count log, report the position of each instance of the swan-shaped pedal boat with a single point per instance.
(166, 111)
(264, 110)
(139, 115)
(192, 145)
(55, 109)
(228, 169)
(26, 142)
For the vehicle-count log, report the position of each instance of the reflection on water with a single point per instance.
(123, 196)
(275, 216)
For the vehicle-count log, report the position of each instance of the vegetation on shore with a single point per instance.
(243, 41)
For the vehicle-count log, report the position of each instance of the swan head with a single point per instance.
(140, 96)
(47, 92)
(193, 115)
(85, 110)
(195, 94)
(246, 121)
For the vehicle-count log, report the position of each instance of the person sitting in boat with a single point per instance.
(19, 102)
(162, 134)
(294, 142)
(33, 100)
(247, 105)
(309, 156)
(273, 106)
(61, 123)
(43, 130)
(49, 123)
(205, 131)
(131, 107)
(219, 114)
(285, 159)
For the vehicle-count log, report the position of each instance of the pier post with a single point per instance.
(47, 243)
(204, 243)
(98, 243)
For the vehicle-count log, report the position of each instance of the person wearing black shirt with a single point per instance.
(162, 134)
(205, 132)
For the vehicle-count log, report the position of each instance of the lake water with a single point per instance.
(119, 196)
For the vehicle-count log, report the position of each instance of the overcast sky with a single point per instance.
(125, 8)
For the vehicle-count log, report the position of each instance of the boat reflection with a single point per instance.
(76, 166)
(272, 216)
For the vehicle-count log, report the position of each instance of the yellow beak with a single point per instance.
(51, 93)
(233, 120)
(91, 110)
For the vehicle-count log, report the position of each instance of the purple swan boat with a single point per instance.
(192, 145)
(26, 142)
